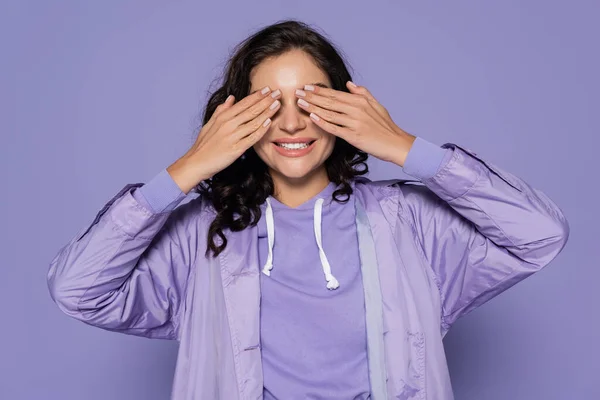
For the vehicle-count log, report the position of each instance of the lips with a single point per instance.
(294, 152)
(294, 140)
(286, 144)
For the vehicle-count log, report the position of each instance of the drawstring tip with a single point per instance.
(267, 269)
(332, 283)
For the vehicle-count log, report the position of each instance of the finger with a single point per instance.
(223, 106)
(354, 88)
(250, 140)
(329, 127)
(333, 94)
(256, 123)
(327, 103)
(229, 101)
(245, 103)
(328, 115)
(220, 108)
(258, 108)
(363, 91)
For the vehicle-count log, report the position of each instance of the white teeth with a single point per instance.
(293, 146)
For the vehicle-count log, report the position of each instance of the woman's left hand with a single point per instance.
(357, 118)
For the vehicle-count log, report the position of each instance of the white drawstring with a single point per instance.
(332, 282)
(271, 239)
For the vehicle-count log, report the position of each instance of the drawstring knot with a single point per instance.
(332, 283)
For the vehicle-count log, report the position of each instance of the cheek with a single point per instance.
(329, 144)
(261, 144)
(261, 148)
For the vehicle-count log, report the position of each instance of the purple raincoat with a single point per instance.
(430, 253)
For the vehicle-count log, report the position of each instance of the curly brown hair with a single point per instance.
(237, 192)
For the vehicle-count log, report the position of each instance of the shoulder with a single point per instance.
(403, 199)
(403, 191)
(191, 217)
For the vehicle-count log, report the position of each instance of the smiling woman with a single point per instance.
(302, 164)
(291, 276)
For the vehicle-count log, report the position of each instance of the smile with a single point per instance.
(294, 146)
(298, 149)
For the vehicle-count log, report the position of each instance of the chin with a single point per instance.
(294, 171)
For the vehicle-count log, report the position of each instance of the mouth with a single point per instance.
(295, 148)
(295, 145)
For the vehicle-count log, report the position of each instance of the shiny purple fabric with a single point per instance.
(442, 249)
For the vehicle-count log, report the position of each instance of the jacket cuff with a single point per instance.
(425, 159)
(161, 194)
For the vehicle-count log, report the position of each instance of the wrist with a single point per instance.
(405, 143)
(183, 172)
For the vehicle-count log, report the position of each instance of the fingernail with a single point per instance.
(274, 105)
(300, 93)
(352, 84)
(309, 87)
(265, 90)
(303, 102)
(228, 98)
(314, 116)
(267, 122)
(276, 93)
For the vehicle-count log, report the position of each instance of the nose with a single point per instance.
(290, 117)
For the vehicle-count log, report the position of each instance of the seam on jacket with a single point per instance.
(150, 218)
(176, 316)
(443, 173)
(399, 196)
(401, 213)
(232, 331)
(490, 219)
(192, 265)
(421, 251)
(506, 176)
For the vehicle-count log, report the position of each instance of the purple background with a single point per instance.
(94, 95)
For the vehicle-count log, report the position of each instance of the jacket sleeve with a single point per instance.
(481, 229)
(127, 271)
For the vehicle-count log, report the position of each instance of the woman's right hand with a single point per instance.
(231, 130)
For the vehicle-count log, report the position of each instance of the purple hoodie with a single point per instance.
(427, 253)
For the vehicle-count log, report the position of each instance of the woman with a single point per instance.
(290, 275)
